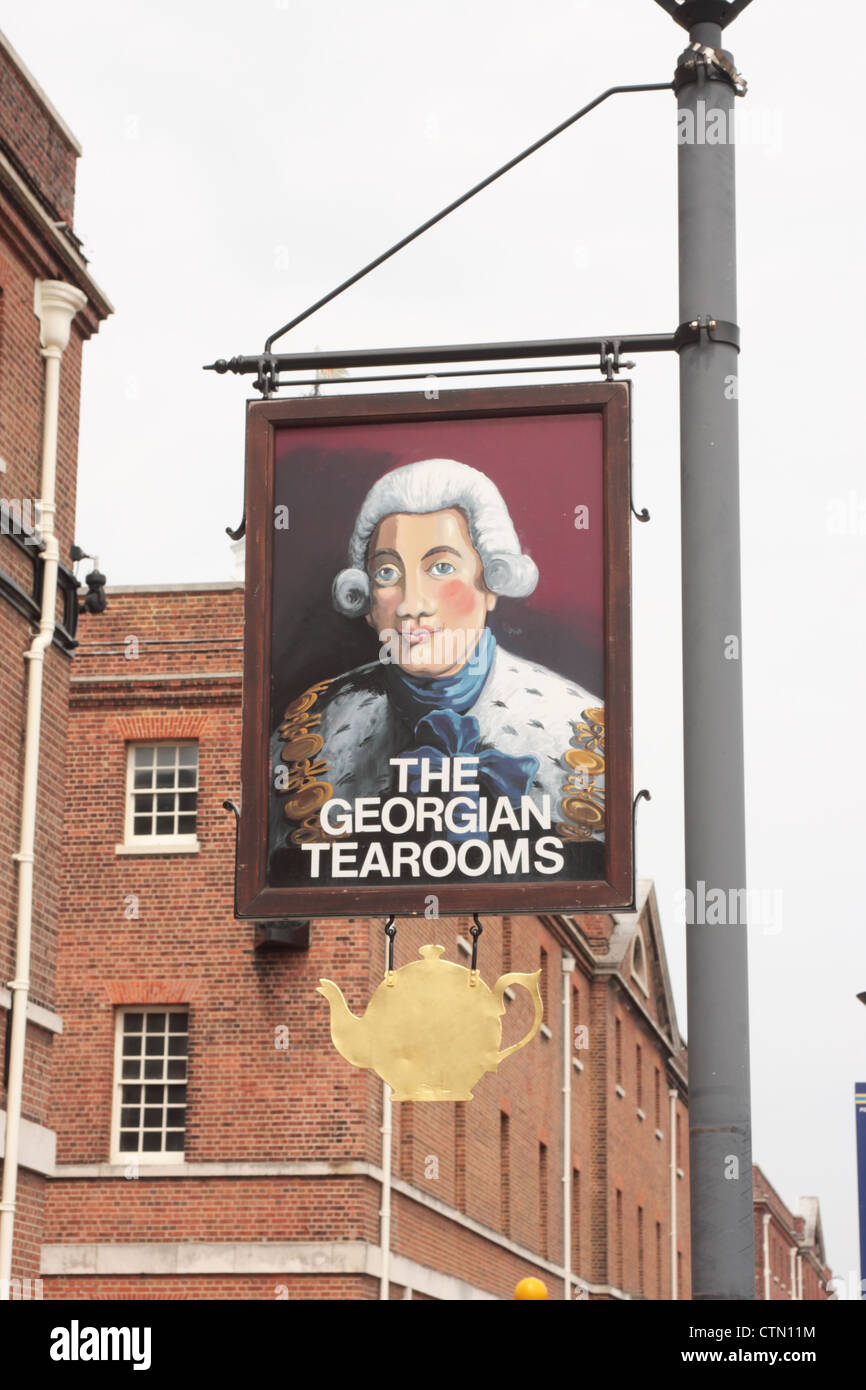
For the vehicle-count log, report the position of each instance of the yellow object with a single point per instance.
(432, 1029)
(530, 1289)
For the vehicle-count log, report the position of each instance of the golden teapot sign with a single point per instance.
(432, 1028)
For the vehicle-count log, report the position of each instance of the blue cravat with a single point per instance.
(415, 696)
(435, 708)
(453, 735)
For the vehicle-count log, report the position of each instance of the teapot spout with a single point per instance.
(349, 1033)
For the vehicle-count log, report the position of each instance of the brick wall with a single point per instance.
(785, 1232)
(35, 140)
(39, 154)
(165, 663)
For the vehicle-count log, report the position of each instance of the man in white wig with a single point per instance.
(432, 550)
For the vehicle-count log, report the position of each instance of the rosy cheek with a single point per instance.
(461, 598)
(384, 606)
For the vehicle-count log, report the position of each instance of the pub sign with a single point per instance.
(437, 663)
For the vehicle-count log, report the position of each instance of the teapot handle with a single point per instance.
(529, 983)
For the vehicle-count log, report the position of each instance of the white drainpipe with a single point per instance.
(385, 1211)
(567, 972)
(672, 1095)
(793, 1274)
(767, 1256)
(800, 1277)
(385, 1214)
(55, 305)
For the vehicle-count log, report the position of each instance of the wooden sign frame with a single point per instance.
(256, 895)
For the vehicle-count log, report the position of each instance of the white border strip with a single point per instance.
(353, 1168)
(277, 1258)
(36, 1013)
(38, 1146)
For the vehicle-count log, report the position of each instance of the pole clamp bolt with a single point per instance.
(717, 331)
(717, 66)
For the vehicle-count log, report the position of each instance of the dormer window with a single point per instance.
(639, 963)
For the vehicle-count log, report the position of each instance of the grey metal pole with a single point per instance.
(720, 1157)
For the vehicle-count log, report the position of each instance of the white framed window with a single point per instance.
(150, 1077)
(639, 963)
(161, 798)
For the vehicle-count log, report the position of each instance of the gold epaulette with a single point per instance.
(582, 792)
(303, 783)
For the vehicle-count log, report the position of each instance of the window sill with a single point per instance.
(545, 1031)
(620, 1090)
(136, 1160)
(659, 1134)
(170, 847)
(680, 1173)
(576, 1062)
(640, 1114)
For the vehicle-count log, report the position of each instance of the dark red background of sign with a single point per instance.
(544, 465)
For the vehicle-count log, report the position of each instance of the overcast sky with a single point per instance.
(240, 160)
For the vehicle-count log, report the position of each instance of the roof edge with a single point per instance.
(646, 911)
(54, 241)
(198, 588)
(50, 108)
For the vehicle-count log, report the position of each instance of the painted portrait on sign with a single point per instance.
(468, 744)
(437, 700)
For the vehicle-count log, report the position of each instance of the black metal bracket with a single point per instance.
(390, 932)
(241, 530)
(642, 795)
(717, 331)
(475, 932)
(231, 806)
(606, 350)
(267, 364)
(29, 605)
(290, 934)
(266, 375)
(713, 63)
(434, 377)
(643, 514)
(609, 363)
(692, 12)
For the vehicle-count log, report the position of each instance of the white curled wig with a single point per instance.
(432, 485)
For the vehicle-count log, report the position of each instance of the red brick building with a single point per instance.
(45, 285)
(253, 1165)
(790, 1260)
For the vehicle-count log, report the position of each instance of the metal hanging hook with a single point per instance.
(390, 932)
(475, 932)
